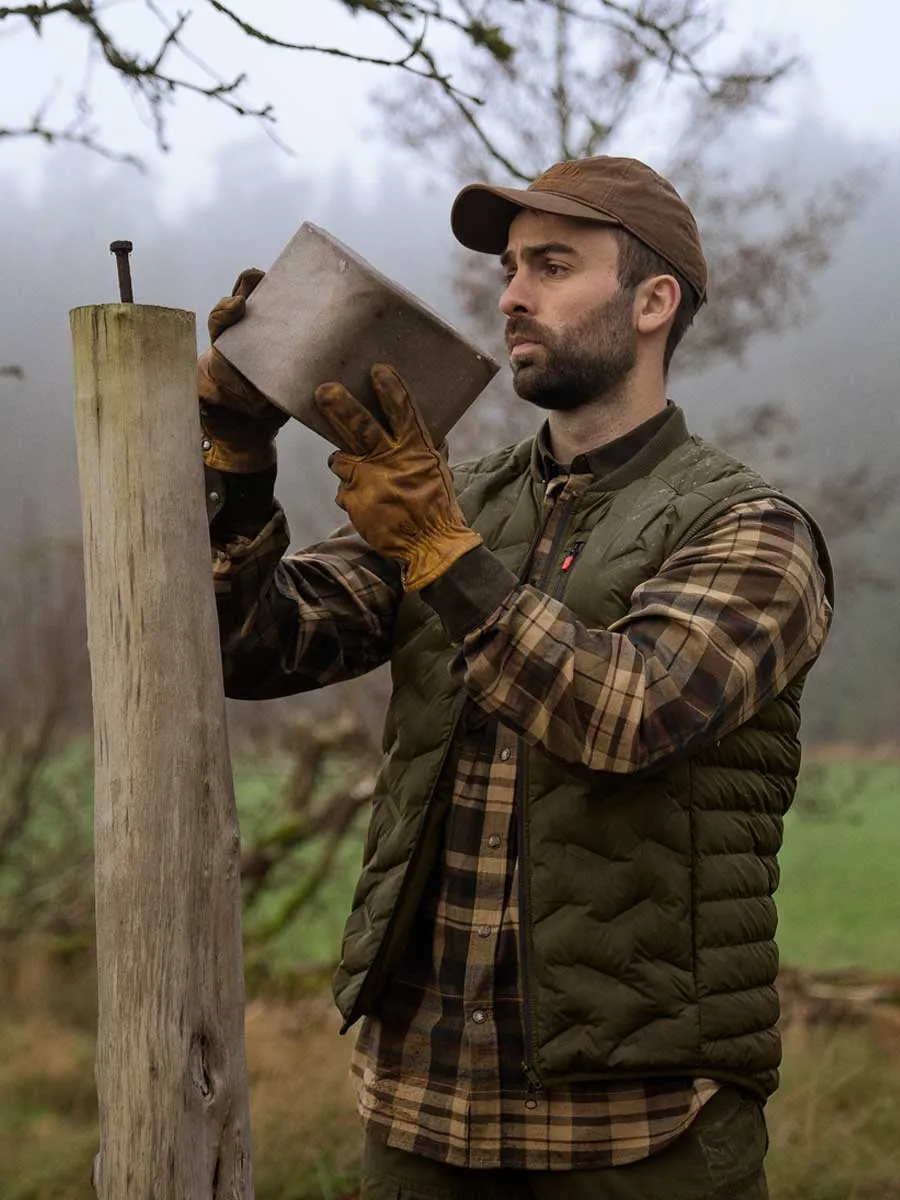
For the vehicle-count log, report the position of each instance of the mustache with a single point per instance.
(524, 327)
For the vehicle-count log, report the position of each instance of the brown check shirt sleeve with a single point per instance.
(292, 623)
(725, 624)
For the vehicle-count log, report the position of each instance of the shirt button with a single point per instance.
(479, 1016)
(484, 931)
(531, 1103)
(494, 841)
(504, 755)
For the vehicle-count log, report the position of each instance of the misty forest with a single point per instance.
(791, 367)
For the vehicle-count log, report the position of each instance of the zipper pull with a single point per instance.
(570, 555)
(534, 1080)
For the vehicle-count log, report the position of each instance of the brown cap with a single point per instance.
(615, 191)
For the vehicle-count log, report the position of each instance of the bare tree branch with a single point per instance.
(314, 818)
(403, 62)
(670, 34)
(462, 105)
(39, 131)
(579, 72)
(147, 73)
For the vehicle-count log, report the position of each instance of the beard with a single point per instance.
(586, 361)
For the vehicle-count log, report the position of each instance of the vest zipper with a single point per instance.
(567, 506)
(532, 1076)
(522, 574)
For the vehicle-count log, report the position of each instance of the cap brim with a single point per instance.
(481, 216)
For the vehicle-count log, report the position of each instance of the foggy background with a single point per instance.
(227, 197)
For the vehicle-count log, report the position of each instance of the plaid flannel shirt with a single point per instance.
(743, 610)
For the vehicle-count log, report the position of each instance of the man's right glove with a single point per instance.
(396, 487)
(239, 424)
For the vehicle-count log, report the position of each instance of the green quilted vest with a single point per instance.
(648, 920)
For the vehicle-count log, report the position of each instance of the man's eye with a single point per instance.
(554, 269)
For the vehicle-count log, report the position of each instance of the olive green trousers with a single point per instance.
(719, 1157)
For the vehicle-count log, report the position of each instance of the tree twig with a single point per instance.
(149, 75)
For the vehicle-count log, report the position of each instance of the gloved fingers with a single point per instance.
(221, 385)
(226, 312)
(357, 430)
(229, 310)
(398, 405)
(248, 279)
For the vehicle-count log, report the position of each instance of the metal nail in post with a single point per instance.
(121, 250)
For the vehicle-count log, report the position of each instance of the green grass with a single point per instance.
(839, 900)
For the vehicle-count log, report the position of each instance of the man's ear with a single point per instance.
(656, 302)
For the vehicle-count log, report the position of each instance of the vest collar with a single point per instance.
(620, 462)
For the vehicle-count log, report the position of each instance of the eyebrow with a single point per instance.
(530, 253)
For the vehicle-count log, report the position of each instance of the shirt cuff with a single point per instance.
(469, 591)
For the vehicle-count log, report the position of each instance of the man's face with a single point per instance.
(570, 328)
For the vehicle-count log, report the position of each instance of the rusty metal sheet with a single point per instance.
(323, 313)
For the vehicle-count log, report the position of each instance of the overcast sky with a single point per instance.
(852, 81)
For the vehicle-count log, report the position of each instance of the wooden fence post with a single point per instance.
(171, 1069)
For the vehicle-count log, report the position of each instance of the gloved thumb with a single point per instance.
(229, 310)
(247, 281)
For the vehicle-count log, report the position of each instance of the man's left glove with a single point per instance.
(396, 488)
(238, 422)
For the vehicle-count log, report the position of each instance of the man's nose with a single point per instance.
(516, 299)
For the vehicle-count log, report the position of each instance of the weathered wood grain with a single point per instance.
(171, 1071)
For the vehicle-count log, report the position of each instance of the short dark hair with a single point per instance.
(638, 262)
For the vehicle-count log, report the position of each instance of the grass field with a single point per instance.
(835, 1124)
(839, 900)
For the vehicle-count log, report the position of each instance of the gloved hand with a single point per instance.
(239, 424)
(396, 488)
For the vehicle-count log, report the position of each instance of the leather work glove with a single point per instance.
(239, 424)
(396, 488)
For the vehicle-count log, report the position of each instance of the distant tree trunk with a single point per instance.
(171, 1069)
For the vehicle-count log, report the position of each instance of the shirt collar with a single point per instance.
(663, 431)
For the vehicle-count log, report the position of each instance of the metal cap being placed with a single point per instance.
(323, 313)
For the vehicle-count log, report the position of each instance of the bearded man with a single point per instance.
(562, 941)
